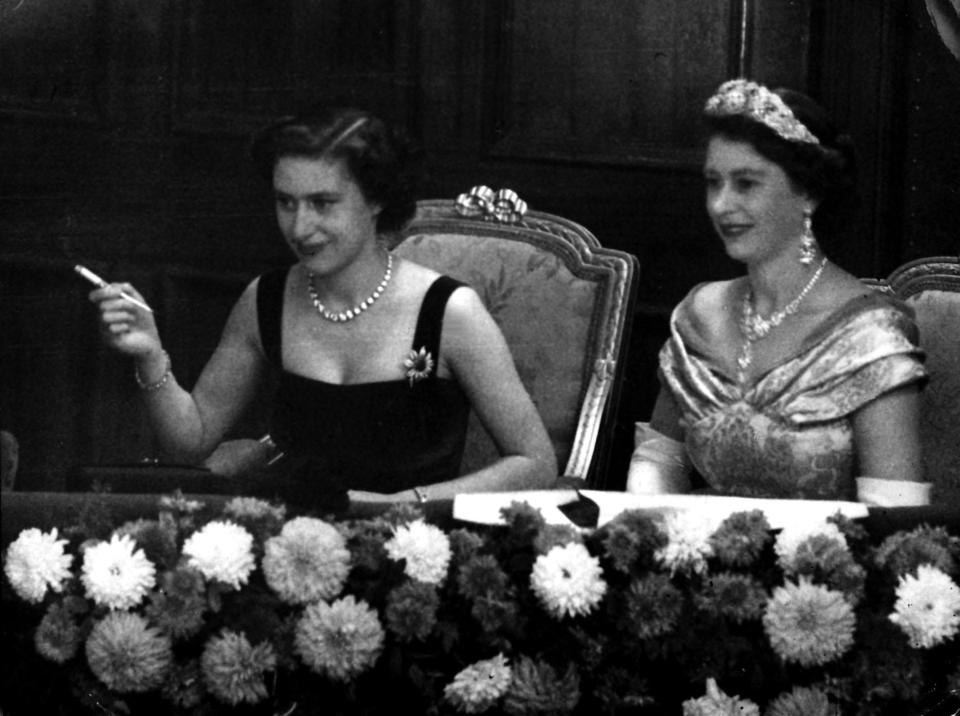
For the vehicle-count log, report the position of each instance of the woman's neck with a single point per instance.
(353, 283)
(776, 282)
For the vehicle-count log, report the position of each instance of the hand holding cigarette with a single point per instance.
(100, 283)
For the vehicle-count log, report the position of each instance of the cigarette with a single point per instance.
(100, 283)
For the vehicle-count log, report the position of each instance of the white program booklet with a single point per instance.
(484, 508)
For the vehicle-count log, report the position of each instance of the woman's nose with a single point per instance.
(718, 199)
(304, 222)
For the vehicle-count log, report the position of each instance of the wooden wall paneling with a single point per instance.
(237, 70)
(52, 59)
(47, 366)
(931, 165)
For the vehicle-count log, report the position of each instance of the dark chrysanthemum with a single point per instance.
(523, 521)
(652, 606)
(157, 539)
(184, 685)
(127, 654)
(233, 668)
(464, 544)
(738, 597)
(411, 610)
(741, 538)
(829, 562)
(901, 553)
(555, 536)
(57, 637)
(482, 576)
(632, 539)
(178, 606)
(801, 701)
(537, 689)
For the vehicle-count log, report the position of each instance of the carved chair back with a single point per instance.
(931, 286)
(563, 302)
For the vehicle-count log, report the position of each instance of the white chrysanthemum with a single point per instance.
(307, 561)
(928, 607)
(568, 580)
(35, 562)
(809, 623)
(425, 548)
(717, 703)
(688, 542)
(222, 551)
(116, 574)
(792, 536)
(477, 687)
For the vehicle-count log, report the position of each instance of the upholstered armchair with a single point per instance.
(563, 302)
(931, 286)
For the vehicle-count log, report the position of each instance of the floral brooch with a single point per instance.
(419, 365)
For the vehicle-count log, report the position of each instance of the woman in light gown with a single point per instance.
(795, 380)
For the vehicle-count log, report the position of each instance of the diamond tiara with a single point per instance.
(749, 99)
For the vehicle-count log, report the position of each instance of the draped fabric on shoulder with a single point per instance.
(384, 436)
(789, 434)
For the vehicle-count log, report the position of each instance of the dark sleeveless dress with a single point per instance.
(384, 436)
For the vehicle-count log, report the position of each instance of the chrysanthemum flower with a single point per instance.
(478, 687)
(829, 562)
(688, 542)
(792, 536)
(717, 703)
(632, 539)
(307, 561)
(35, 562)
(222, 551)
(157, 540)
(425, 548)
(652, 605)
(233, 669)
(536, 688)
(339, 640)
(737, 597)
(127, 654)
(184, 685)
(482, 575)
(555, 536)
(902, 552)
(740, 538)
(927, 607)
(411, 610)
(568, 580)
(809, 623)
(57, 637)
(116, 574)
(801, 701)
(178, 606)
(253, 508)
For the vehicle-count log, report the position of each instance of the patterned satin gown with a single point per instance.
(789, 434)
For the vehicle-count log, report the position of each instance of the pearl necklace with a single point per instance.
(754, 326)
(350, 313)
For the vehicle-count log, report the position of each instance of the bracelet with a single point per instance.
(157, 385)
(421, 494)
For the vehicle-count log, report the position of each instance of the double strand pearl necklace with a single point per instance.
(753, 326)
(350, 313)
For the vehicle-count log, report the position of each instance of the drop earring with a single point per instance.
(808, 242)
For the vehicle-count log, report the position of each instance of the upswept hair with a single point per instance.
(826, 171)
(383, 160)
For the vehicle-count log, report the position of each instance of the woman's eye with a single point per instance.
(285, 203)
(745, 184)
(319, 205)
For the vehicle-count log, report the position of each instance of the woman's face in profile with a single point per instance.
(752, 203)
(322, 212)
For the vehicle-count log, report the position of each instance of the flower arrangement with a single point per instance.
(245, 608)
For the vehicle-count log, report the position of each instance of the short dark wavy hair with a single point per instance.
(384, 161)
(827, 172)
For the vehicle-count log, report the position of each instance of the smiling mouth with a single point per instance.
(732, 231)
(311, 249)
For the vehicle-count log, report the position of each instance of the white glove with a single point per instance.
(880, 492)
(659, 464)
